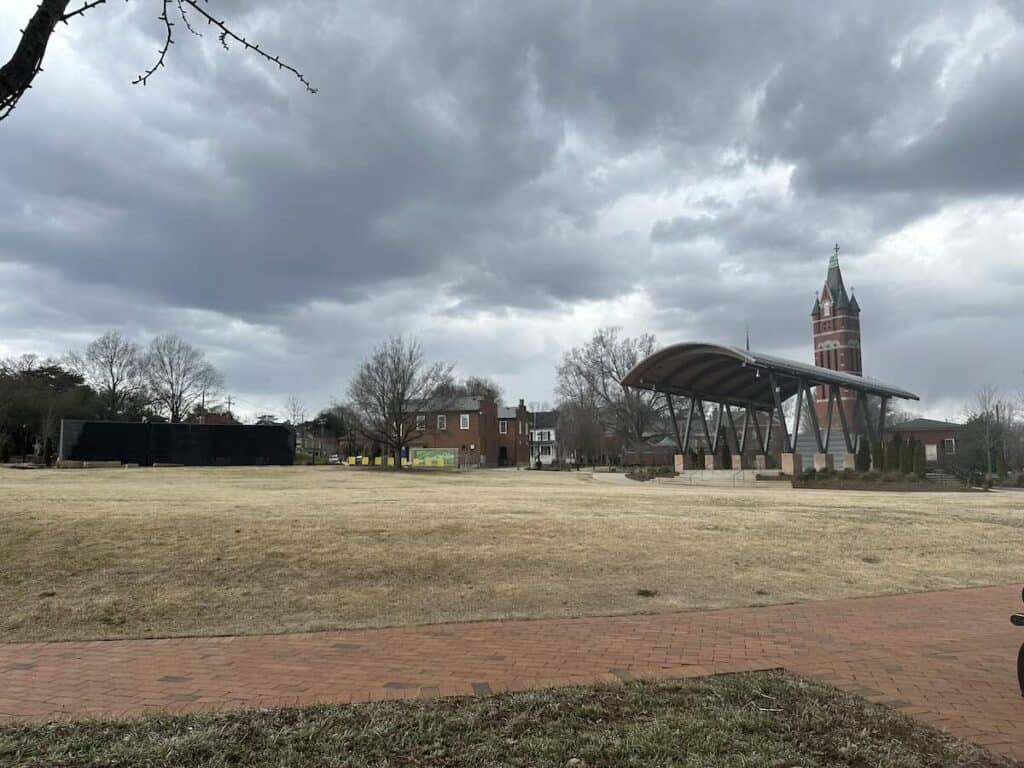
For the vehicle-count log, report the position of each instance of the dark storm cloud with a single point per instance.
(511, 160)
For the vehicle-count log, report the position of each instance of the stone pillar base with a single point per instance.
(760, 461)
(850, 461)
(738, 461)
(683, 462)
(712, 461)
(824, 461)
(792, 464)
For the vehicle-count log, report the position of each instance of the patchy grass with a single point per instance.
(766, 719)
(158, 552)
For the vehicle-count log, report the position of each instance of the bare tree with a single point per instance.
(112, 366)
(178, 375)
(394, 385)
(591, 377)
(580, 431)
(296, 410)
(990, 420)
(17, 75)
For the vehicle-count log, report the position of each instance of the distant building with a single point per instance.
(481, 432)
(544, 445)
(513, 437)
(940, 439)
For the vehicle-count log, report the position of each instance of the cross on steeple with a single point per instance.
(834, 261)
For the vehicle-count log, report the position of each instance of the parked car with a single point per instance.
(334, 459)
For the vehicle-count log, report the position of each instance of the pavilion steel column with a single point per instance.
(782, 414)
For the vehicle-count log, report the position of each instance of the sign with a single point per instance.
(433, 457)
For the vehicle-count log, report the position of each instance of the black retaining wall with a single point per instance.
(197, 445)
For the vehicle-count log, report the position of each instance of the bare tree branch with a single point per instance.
(168, 42)
(82, 10)
(18, 74)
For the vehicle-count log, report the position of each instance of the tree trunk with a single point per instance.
(17, 74)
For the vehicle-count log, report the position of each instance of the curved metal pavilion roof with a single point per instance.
(720, 373)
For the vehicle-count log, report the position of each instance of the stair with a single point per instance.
(943, 479)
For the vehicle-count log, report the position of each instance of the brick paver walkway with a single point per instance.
(945, 657)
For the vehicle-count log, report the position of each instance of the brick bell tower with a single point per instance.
(835, 322)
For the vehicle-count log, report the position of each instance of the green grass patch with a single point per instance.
(764, 719)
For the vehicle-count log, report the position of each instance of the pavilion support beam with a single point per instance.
(768, 436)
(835, 396)
(812, 412)
(704, 423)
(718, 430)
(828, 420)
(746, 430)
(732, 428)
(689, 425)
(884, 406)
(675, 424)
(799, 409)
(862, 401)
(762, 447)
(782, 414)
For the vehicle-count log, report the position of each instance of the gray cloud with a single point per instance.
(527, 170)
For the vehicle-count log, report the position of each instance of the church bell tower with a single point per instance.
(835, 324)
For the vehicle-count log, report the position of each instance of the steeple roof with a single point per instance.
(834, 284)
(816, 309)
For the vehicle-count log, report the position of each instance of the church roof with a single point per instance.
(836, 289)
(816, 309)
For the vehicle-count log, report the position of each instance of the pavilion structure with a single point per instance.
(748, 390)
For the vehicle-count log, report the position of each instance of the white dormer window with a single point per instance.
(826, 308)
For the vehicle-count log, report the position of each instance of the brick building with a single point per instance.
(482, 433)
(513, 437)
(939, 438)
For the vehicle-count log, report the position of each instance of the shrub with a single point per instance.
(878, 457)
(48, 451)
(5, 449)
(862, 461)
(906, 458)
(920, 460)
(538, 464)
(701, 457)
(724, 455)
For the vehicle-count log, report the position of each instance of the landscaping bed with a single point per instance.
(760, 719)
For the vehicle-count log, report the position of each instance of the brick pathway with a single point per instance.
(944, 657)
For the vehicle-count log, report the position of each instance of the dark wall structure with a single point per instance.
(197, 445)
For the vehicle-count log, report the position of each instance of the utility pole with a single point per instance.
(230, 415)
(323, 423)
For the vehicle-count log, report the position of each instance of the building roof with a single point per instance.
(507, 412)
(544, 419)
(720, 373)
(925, 425)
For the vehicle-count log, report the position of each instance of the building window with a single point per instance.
(421, 422)
(442, 422)
(948, 445)
(503, 427)
(464, 421)
(545, 450)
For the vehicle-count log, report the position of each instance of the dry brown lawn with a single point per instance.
(157, 552)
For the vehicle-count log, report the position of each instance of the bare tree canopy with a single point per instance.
(391, 387)
(18, 74)
(477, 386)
(112, 366)
(590, 377)
(178, 376)
(296, 410)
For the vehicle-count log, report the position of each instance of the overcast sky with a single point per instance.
(502, 178)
